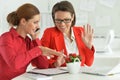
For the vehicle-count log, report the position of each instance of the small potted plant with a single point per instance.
(73, 63)
(72, 57)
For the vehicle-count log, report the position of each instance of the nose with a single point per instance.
(62, 23)
(37, 26)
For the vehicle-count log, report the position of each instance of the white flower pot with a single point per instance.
(74, 67)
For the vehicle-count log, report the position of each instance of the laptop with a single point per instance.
(103, 67)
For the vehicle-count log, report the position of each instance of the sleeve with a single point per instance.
(41, 61)
(86, 53)
(14, 58)
(36, 42)
(46, 41)
(89, 56)
(46, 38)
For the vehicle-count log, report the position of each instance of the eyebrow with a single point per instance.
(63, 19)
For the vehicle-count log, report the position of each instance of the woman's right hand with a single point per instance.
(50, 52)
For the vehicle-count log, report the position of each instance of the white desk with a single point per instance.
(80, 76)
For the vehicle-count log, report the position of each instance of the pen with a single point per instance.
(94, 74)
(64, 69)
(38, 73)
(47, 74)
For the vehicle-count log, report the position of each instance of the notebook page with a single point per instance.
(48, 72)
(37, 76)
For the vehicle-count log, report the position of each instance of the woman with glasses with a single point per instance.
(67, 38)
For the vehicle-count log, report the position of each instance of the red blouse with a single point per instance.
(16, 53)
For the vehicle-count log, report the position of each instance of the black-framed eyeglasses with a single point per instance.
(64, 20)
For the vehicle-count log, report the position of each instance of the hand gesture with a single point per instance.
(50, 52)
(60, 60)
(87, 36)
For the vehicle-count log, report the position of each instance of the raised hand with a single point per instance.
(87, 35)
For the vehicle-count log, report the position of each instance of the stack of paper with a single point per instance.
(49, 72)
(37, 76)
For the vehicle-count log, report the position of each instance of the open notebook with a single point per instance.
(44, 74)
(49, 71)
(103, 67)
(36, 76)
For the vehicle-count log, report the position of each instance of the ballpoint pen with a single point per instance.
(94, 74)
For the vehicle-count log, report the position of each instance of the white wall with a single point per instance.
(100, 15)
(7, 6)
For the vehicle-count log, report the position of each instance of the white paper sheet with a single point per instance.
(82, 18)
(49, 72)
(108, 3)
(102, 21)
(37, 76)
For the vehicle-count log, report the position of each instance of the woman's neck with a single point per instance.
(21, 32)
(68, 34)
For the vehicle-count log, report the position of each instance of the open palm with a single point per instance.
(87, 35)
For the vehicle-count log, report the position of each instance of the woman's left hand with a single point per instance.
(60, 61)
(87, 35)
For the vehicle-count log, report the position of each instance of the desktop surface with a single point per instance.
(83, 76)
(80, 76)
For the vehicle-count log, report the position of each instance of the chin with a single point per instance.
(63, 30)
